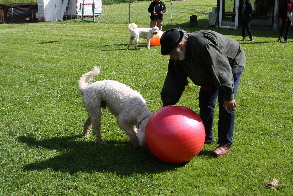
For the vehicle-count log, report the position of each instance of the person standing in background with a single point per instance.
(245, 9)
(285, 8)
(157, 8)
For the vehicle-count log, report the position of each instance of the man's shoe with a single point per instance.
(221, 151)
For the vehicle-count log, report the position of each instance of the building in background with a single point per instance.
(54, 10)
(264, 13)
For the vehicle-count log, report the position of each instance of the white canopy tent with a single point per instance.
(54, 10)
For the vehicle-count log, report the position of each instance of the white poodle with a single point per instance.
(126, 104)
(136, 33)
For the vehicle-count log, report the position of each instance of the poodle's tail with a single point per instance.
(132, 26)
(83, 82)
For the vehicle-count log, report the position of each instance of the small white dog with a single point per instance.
(136, 33)
(126, 104)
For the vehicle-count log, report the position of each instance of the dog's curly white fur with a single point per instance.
(126, 104)
(136, 33)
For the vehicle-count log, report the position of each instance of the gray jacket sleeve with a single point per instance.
(174, 84)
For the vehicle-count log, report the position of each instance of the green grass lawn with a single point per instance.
(42, 148)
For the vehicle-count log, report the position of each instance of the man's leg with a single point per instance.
(152, 23)
(227, 117)
(207, 102)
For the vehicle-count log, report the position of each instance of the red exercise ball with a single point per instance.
(155, 40)
(175, 134)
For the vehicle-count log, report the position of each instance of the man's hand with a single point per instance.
(229, 105)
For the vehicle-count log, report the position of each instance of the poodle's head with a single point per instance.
(132, 26)
(155, 30)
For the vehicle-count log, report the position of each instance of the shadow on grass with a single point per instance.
(142, 44)
(88, 156)
(48, 42)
